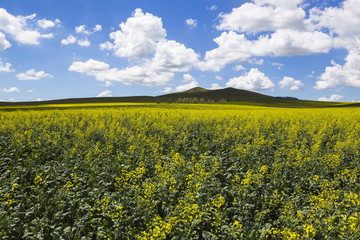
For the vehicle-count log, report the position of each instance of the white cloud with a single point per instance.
(10, 90)
(191, 83)
(342, 20)
(191, 22)
(218, 78)
(238, 68)
(236, 48)
(291, 84)
(97, 28)
(215, 86)
(138, 36)
(83, 30)
(33, 75)
(212, 8)
(69, 40)
(166, 90)
(233, 48)
(44, 23)
(172, 56)
(5, 67)
(256, 61)
(253, 80)
(188, 78)
(108, 84)
(131, 75)
(286, 4)
(347, 74)
(332, 98)
(4, 44)
(142, 37)
(18, 29)
(49, 35)
(286, 42)
(278, 65)
(91, 67)
(39, 99)
(264, 16)
(30, 90)
(84, 42)
(105, 94)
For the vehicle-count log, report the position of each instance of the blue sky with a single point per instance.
(52, 49)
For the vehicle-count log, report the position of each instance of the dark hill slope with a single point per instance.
(233, 95)
(229, 94)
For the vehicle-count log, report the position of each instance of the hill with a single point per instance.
(228, 94)
(235, 96)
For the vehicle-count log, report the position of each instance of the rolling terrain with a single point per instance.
(194, 95)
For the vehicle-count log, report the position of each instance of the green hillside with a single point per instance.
(194, 95)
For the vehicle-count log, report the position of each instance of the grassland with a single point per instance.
(179, 171)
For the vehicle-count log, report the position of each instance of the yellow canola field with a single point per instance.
(172, 171)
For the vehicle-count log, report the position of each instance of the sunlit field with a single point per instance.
(180, 171)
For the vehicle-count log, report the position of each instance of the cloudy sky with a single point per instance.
(52, 49)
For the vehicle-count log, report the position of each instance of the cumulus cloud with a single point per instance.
(72, 39)
(173, 56)
(291, 84)
(332, 98)
(82, 29)
(130, 75)
(215, 86)
(286, 42)
(142, 37)
(166, 90)
(218, 78)
(347, 75)
(232, 48)
(69, 40)
(342, 21)
(137, 37)
(191, 22)
(84, 42)
(4, 44)
(253, 80)
(33, 75)
(236, 48)
(10, 90)
(279, 28)
(264, 16)
(5, 67)
(97, 28)
(238, 67)
(191, 83)
(44, 23)
(18, 28)
(105, 94)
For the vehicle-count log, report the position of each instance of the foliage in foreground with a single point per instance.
(215, 172)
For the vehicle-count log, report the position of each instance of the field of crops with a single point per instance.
(171, 171)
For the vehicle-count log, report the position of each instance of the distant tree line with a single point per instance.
(287, 98)
(199, 100)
